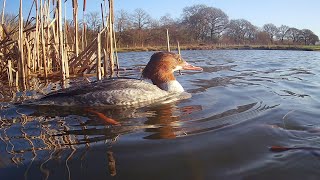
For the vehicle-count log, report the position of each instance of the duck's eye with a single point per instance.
(179, 59)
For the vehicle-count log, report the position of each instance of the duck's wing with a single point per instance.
(124, 93)
(120, 92)
(104, 85)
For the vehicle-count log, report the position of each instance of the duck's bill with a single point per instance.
(188, 66)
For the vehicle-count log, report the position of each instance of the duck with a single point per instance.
(128, 91)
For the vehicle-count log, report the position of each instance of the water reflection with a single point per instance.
(242, 104)
(48, 134)
(169, 117)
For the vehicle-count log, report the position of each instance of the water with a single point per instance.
(243, 103)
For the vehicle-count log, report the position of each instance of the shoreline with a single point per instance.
(217, 47)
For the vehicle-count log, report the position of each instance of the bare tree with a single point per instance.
(262, 37)
(195, 21)
(216, 20)
(282, 32)
(293, 34)
(309, 37)
(122, 21)
(141, 19)
(205, 22)
(241, 30)
(271, 30)
(93, 21)
(166, 21)
(123, 26)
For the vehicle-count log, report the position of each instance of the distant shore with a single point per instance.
(217, 47)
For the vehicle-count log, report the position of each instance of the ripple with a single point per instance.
(225, 119)
(243, 103)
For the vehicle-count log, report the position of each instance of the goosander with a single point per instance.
(127, 91)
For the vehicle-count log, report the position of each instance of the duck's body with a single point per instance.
(126, 91)
(119, 92)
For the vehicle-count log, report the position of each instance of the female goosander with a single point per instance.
(126, 91)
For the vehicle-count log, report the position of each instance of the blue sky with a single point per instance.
(294, 13)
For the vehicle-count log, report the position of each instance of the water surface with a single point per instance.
(243, 103)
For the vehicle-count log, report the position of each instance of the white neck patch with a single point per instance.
(172, 86)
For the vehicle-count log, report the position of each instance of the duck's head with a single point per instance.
(161, 66)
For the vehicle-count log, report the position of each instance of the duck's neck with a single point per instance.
(171, 86)
(166, 81)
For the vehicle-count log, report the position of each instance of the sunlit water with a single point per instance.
(243, 103)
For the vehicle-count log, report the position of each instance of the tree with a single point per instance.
(93, 21)
(194, 21)
(175, 28)
(141, 19)
(282, 32)
(166, 21)
(309, 37)
(122, 25)
(216, 20)
(122, 21)
(293, 34)
(204, 22)
(241, 30)
(262, 37)
(271, 30)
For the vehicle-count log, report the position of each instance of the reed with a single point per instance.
(21, 63)
(168, 41)
(2, 14)
(110, 37)
(99, 57)
(178, 46)
(46, 45)
(76, 29)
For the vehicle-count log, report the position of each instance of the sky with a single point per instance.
(293, 13)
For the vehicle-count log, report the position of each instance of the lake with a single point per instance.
(244, 104)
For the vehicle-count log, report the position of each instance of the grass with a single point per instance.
(313, 48)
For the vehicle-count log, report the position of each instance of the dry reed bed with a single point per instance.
(44, 45)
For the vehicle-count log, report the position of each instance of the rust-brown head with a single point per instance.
(161, 66)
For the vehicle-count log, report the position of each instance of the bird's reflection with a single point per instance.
(168, 116)
(56, 136)
(54, 133)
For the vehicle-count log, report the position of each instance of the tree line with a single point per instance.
(202, 24)
(198, 25)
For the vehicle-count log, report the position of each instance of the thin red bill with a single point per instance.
(188, 66)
